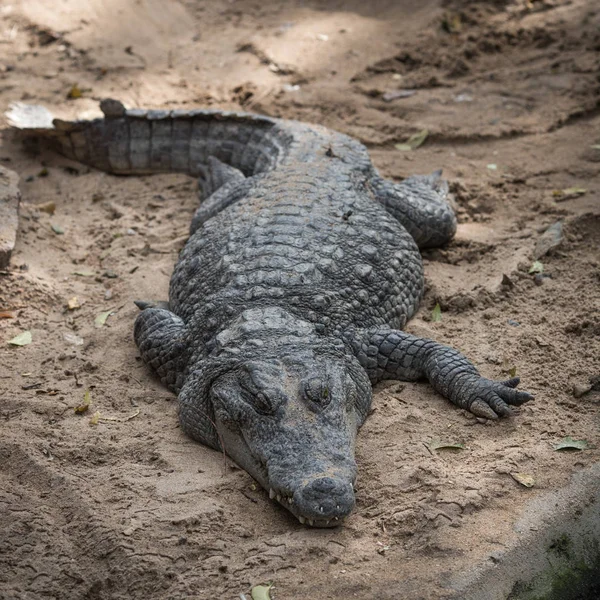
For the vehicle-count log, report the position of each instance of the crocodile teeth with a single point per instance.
(311, 522)
(278, 497)
(336, 518)
(290, 500)
(327, 522)
(302, 520)
(321, 509)
(272, 493)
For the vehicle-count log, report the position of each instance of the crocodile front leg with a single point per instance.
(420, 204)
(391, 354)
(160, 336)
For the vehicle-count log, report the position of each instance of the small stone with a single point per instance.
(538, 279)
(581, 389)
(513, 323)
(550, 239)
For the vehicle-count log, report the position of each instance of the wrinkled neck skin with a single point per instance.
(287, 409)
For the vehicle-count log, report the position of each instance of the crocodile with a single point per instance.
(288, 301)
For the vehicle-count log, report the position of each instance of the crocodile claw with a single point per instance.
(491, 399)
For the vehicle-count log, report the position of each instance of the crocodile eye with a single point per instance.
(262, 404)
(318, 392)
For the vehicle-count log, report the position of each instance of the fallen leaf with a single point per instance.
(85, 405)
(84, 273)
(47, 207)
(569, 192)
(568, 443)
(73, 303)
(439, 445)
(524, 479)
(100, 320)
(22, 339)
(395, 94)
(74, 92)
(57, 229)
(414, 141)
(452, 23)
(536, 267)
(512, 371)
(492, 167)
(7, 314)
(95, 418)
(261, 592)
(595, 146)
(43, 172)
(436, 313)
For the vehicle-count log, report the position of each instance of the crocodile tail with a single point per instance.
(136, 142)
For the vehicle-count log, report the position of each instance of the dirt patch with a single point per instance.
(131, 508)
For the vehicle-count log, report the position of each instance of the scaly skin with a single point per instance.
(286, 304)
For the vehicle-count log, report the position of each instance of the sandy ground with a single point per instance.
(130, 508)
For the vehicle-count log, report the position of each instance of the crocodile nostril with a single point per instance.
(326, 497)
(324, 485)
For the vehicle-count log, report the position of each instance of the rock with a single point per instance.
(550, 239)
(581, 389)
(10, 198)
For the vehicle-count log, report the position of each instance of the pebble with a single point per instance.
(581, 389)
(550, 239)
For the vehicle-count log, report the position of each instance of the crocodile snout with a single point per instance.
(325, 499)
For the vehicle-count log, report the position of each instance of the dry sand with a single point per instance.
(130, 508)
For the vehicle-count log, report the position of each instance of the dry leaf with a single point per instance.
(536, 267)
(452, 23)
(22, 339)
(7, 314)
(73, 303)
(47, 207)
(95, 418)
(568, 443)
(414, 141)
(261, 592)
(524, 479)
(100, 320)
(74, 92)
(85, 405)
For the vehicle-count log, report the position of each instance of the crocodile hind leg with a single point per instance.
(160, 336)
(392, 354)
(225, 196)
(420, 204)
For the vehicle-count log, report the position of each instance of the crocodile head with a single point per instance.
(291, 421)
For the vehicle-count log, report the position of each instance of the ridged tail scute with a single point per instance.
(137, 142)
